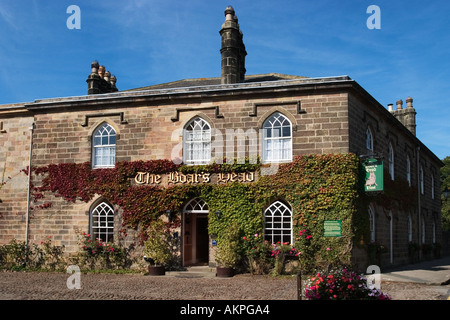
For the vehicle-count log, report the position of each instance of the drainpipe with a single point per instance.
(419, 229)
(29, 185)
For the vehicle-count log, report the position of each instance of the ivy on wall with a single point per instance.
(317, 187)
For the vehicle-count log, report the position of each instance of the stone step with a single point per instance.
(194, 272)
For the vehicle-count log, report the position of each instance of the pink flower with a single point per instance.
(256, 235)
(328, 249)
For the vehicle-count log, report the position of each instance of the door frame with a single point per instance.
(194, 209)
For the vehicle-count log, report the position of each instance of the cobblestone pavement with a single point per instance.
(53, 286)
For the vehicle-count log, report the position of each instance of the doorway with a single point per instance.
(195, 233)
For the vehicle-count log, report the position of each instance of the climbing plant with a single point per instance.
(317, 187)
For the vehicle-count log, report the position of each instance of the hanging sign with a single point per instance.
(332, 228)
(374, 175)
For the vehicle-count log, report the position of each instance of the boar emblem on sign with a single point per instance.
(372, 180)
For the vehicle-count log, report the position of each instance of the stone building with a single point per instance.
(177, 120)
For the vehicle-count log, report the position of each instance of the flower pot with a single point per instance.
(224, 272)
(156, 270)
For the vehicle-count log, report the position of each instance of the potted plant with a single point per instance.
(227, 251)
(157, 248)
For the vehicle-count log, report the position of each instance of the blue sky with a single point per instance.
(144, 42)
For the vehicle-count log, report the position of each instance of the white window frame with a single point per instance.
(391, 160)
(196, 205)
(410, 229)
(277, 147)
(278, 223)
(197, 142)
(102, 222)
(104, 146)
(408, 170)
(369, 139)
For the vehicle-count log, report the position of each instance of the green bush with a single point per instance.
(157, 246)
(18, 256)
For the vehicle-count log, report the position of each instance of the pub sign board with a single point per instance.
(373, 175)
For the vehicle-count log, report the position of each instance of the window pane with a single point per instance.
(102, 222)
(104, 140)
(278, 223)
(277, 135)
(197, 142)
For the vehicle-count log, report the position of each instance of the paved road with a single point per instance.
(433, 272)
(414, 282)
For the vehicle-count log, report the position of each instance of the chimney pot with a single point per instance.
(391, 107)
(409, 102)
(229, 13)
(94, 67)
(399, 104)
(101, 71)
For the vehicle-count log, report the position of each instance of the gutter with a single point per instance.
(419, 222)
(29, 186)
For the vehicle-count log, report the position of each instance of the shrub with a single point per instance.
(257, 253)
(157, 246)
(227, 249)
(341, 284)
(95, 253)
(18, 256)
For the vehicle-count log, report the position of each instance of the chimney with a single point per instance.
(406, 116)
(410, 116)
(233, 49)
(100, 80)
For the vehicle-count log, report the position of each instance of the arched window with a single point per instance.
(102, 222)
(278, 223)
(408, 170)
(391, 161)
(369, 140)
(277, 139)
(422, 190)
(372, 223)
(410, 229)
(196, 205)
(104, 146)
(433, 232)
(197, 142)
(432, 186)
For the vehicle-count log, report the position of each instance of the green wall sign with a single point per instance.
(332, 228)
(374, 175)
